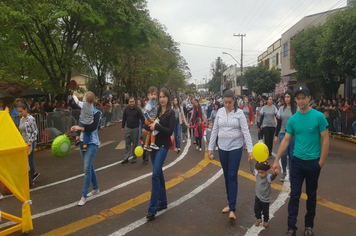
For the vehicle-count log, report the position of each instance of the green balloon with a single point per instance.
(61, 146)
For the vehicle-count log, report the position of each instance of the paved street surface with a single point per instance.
(195, 190)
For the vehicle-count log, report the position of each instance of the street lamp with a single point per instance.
(232, 57)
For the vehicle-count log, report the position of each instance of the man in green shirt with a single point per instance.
(310, 129)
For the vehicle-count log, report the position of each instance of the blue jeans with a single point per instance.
(288, 152)
(230, 162)
(177, 133)
(354, 127)
(158, 194)
(89, 172)
(139, 133)
(310, 171)
(31, 162)
(336, 125)
(86, 135)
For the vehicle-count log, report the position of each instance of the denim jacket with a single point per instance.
(94, 138)
(31, 128)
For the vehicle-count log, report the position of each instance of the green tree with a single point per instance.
(306, 53)
(217, 69)
(261, 80)
(325, 55)
(54, 29)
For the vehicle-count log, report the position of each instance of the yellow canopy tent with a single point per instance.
(14, 171)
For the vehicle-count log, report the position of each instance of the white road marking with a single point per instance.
(74, 177)
(278, 203)
(190, 195)
(121, 145)
(102, 193)
(100, 146)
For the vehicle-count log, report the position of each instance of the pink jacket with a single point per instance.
(203, 127)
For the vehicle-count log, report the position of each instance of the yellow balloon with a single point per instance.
(260, 152)
(138, 151)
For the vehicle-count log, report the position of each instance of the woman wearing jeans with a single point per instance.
(166, 124)
(180, 118)
(268, 123)
(231, 127)
(283, 115)
(89, 155)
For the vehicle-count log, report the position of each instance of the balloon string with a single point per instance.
(67, 132)
(271, 166)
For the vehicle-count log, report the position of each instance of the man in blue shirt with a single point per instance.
(310, 129)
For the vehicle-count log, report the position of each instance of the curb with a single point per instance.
(346, 138)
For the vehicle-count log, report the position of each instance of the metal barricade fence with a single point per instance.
(55, 123)
(347, 120)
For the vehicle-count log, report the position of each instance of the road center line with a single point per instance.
(102, 193)
(119, 209)
(143, 220)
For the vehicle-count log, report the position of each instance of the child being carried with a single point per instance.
(86, 117)
(150, 115)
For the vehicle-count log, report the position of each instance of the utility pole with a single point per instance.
(221, 74)
(242, 47)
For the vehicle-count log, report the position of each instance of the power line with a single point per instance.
(286, 14)
(243, 21)
(260, 15)
(217, 47)
(322, 15)
(251, 20)
(269, 38)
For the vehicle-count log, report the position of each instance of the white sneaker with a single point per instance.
(183, 141)
(147, 148)
(81, 202)
(154, 146)
(93, 193)
(217, 149)
(199, 149)
(1, 197)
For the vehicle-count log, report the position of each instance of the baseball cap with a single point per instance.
(304, 90)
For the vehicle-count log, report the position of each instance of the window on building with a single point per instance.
(285, 49)
(267, 62)
(277, 59)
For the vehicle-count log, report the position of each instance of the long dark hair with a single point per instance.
(169, 102)
(231, 94)
(142, 104)
(293, 107)
(178, 105)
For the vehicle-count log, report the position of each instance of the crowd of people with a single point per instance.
(224, 123)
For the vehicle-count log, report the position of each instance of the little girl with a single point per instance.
(199, 131)
(263, 191)
(207, 135)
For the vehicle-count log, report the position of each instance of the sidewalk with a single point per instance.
(343, 137)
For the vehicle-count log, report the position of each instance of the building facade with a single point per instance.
(272, 56)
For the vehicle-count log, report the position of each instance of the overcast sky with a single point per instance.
(213, 23)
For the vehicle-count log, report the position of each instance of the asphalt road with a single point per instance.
(195, 190)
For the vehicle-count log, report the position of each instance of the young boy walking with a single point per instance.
(263, 191)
